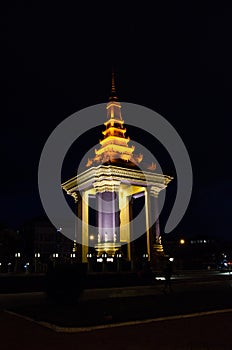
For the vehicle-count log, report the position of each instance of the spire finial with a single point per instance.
(113, 90)
(113, 83)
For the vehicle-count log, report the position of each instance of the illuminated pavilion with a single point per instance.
(114, 179)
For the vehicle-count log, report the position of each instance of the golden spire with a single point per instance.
(113, 91)
(113, 96)
(114, 146)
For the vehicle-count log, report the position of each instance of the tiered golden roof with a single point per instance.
(114, 145)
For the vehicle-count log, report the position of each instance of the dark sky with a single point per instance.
(174, 58)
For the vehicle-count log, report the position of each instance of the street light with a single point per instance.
(104, 257)
(26, 266)
(37, 256)
(89, 257)
(17, 256)
(55, 257)
(182, 241)
(119, 257)
(9, 267)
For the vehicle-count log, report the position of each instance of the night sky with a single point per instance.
(174, 58)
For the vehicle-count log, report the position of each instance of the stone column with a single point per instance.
(78, 229)
(125, 221)
(154, 208)
(148, 230)
(155, 236)
(85, 225)
(132, 243)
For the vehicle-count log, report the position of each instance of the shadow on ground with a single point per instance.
(129, 304)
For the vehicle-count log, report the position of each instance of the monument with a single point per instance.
(114, 178)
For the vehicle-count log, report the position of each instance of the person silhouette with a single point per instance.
(167, 275)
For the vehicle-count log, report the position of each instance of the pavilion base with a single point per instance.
(110, 248)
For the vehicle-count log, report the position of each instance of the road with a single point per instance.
(202, 332)
(191, 295)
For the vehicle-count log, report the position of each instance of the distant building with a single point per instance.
(39, 236)
(9, 242)
(196, 251)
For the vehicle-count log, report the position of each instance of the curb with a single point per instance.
(59, 329)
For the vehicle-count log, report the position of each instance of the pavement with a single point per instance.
(209, 332)
(197, 315)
